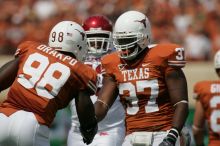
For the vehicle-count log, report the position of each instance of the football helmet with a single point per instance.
(217, 60)
(68, 36)
(98, 30)
(131, 34)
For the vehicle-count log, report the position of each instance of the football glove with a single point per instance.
(166, 142)
(171, 138)
(185, 135)
(89, 133)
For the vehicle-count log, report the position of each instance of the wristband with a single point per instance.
(172, 135)
(105, 104)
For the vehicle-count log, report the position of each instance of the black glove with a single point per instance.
(171, 138)
(166, 142)
(89, 133)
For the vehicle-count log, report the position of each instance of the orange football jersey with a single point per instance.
(208, 93)
(142, 87)
(46, 81)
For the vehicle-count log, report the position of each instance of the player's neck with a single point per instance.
(137, 59)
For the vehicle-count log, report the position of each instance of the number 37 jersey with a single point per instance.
(46, 81)
(142, 87)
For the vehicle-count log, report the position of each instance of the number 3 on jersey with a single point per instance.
(151, 105)
(215, 115)
(46, 78)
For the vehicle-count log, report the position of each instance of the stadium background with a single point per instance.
(194, 24)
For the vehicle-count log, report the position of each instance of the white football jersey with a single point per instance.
(115, 116)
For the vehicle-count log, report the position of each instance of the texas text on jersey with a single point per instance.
(142, 86)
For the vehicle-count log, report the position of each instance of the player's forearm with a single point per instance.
(180, 116)
(177, 86)
(100, 110)
(198, 134)
(106, 97)
(85, 110)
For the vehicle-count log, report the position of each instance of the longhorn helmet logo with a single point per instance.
(83, 38)
(143, 21)
(82, 34)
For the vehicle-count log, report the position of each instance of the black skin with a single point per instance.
(217, 70)
(177, 88)
(8, 73)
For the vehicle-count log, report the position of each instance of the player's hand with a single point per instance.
(171, 138)
(166, 142)
(88, 133)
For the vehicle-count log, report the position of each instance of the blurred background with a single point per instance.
(194, 24)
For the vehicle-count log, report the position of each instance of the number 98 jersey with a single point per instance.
(142, 86)
(46, 81)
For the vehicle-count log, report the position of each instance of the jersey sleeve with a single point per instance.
(196, 91)
(86, 78)
(107, 71)
(176, 56)
(23, 47)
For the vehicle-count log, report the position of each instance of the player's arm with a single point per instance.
(86, 115)
(198, 124)
(8, 72)
(106, 97)
(177, 88)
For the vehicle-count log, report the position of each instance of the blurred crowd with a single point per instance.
(194, 24)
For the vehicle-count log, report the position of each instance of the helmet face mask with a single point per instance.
(132, 32)
(99, 34)
(126, 45)
(98, 43)
(68, 36)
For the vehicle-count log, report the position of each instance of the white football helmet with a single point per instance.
(217, 60)
(131, 34)
(68, 36)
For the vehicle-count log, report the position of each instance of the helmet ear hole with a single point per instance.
(132, 24)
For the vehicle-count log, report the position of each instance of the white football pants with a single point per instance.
(111, 137)
(146, 139)
(22, 129)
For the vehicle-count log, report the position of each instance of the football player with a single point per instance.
(207, 95)
(111, 130)
(150, 83)
(42, 80)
